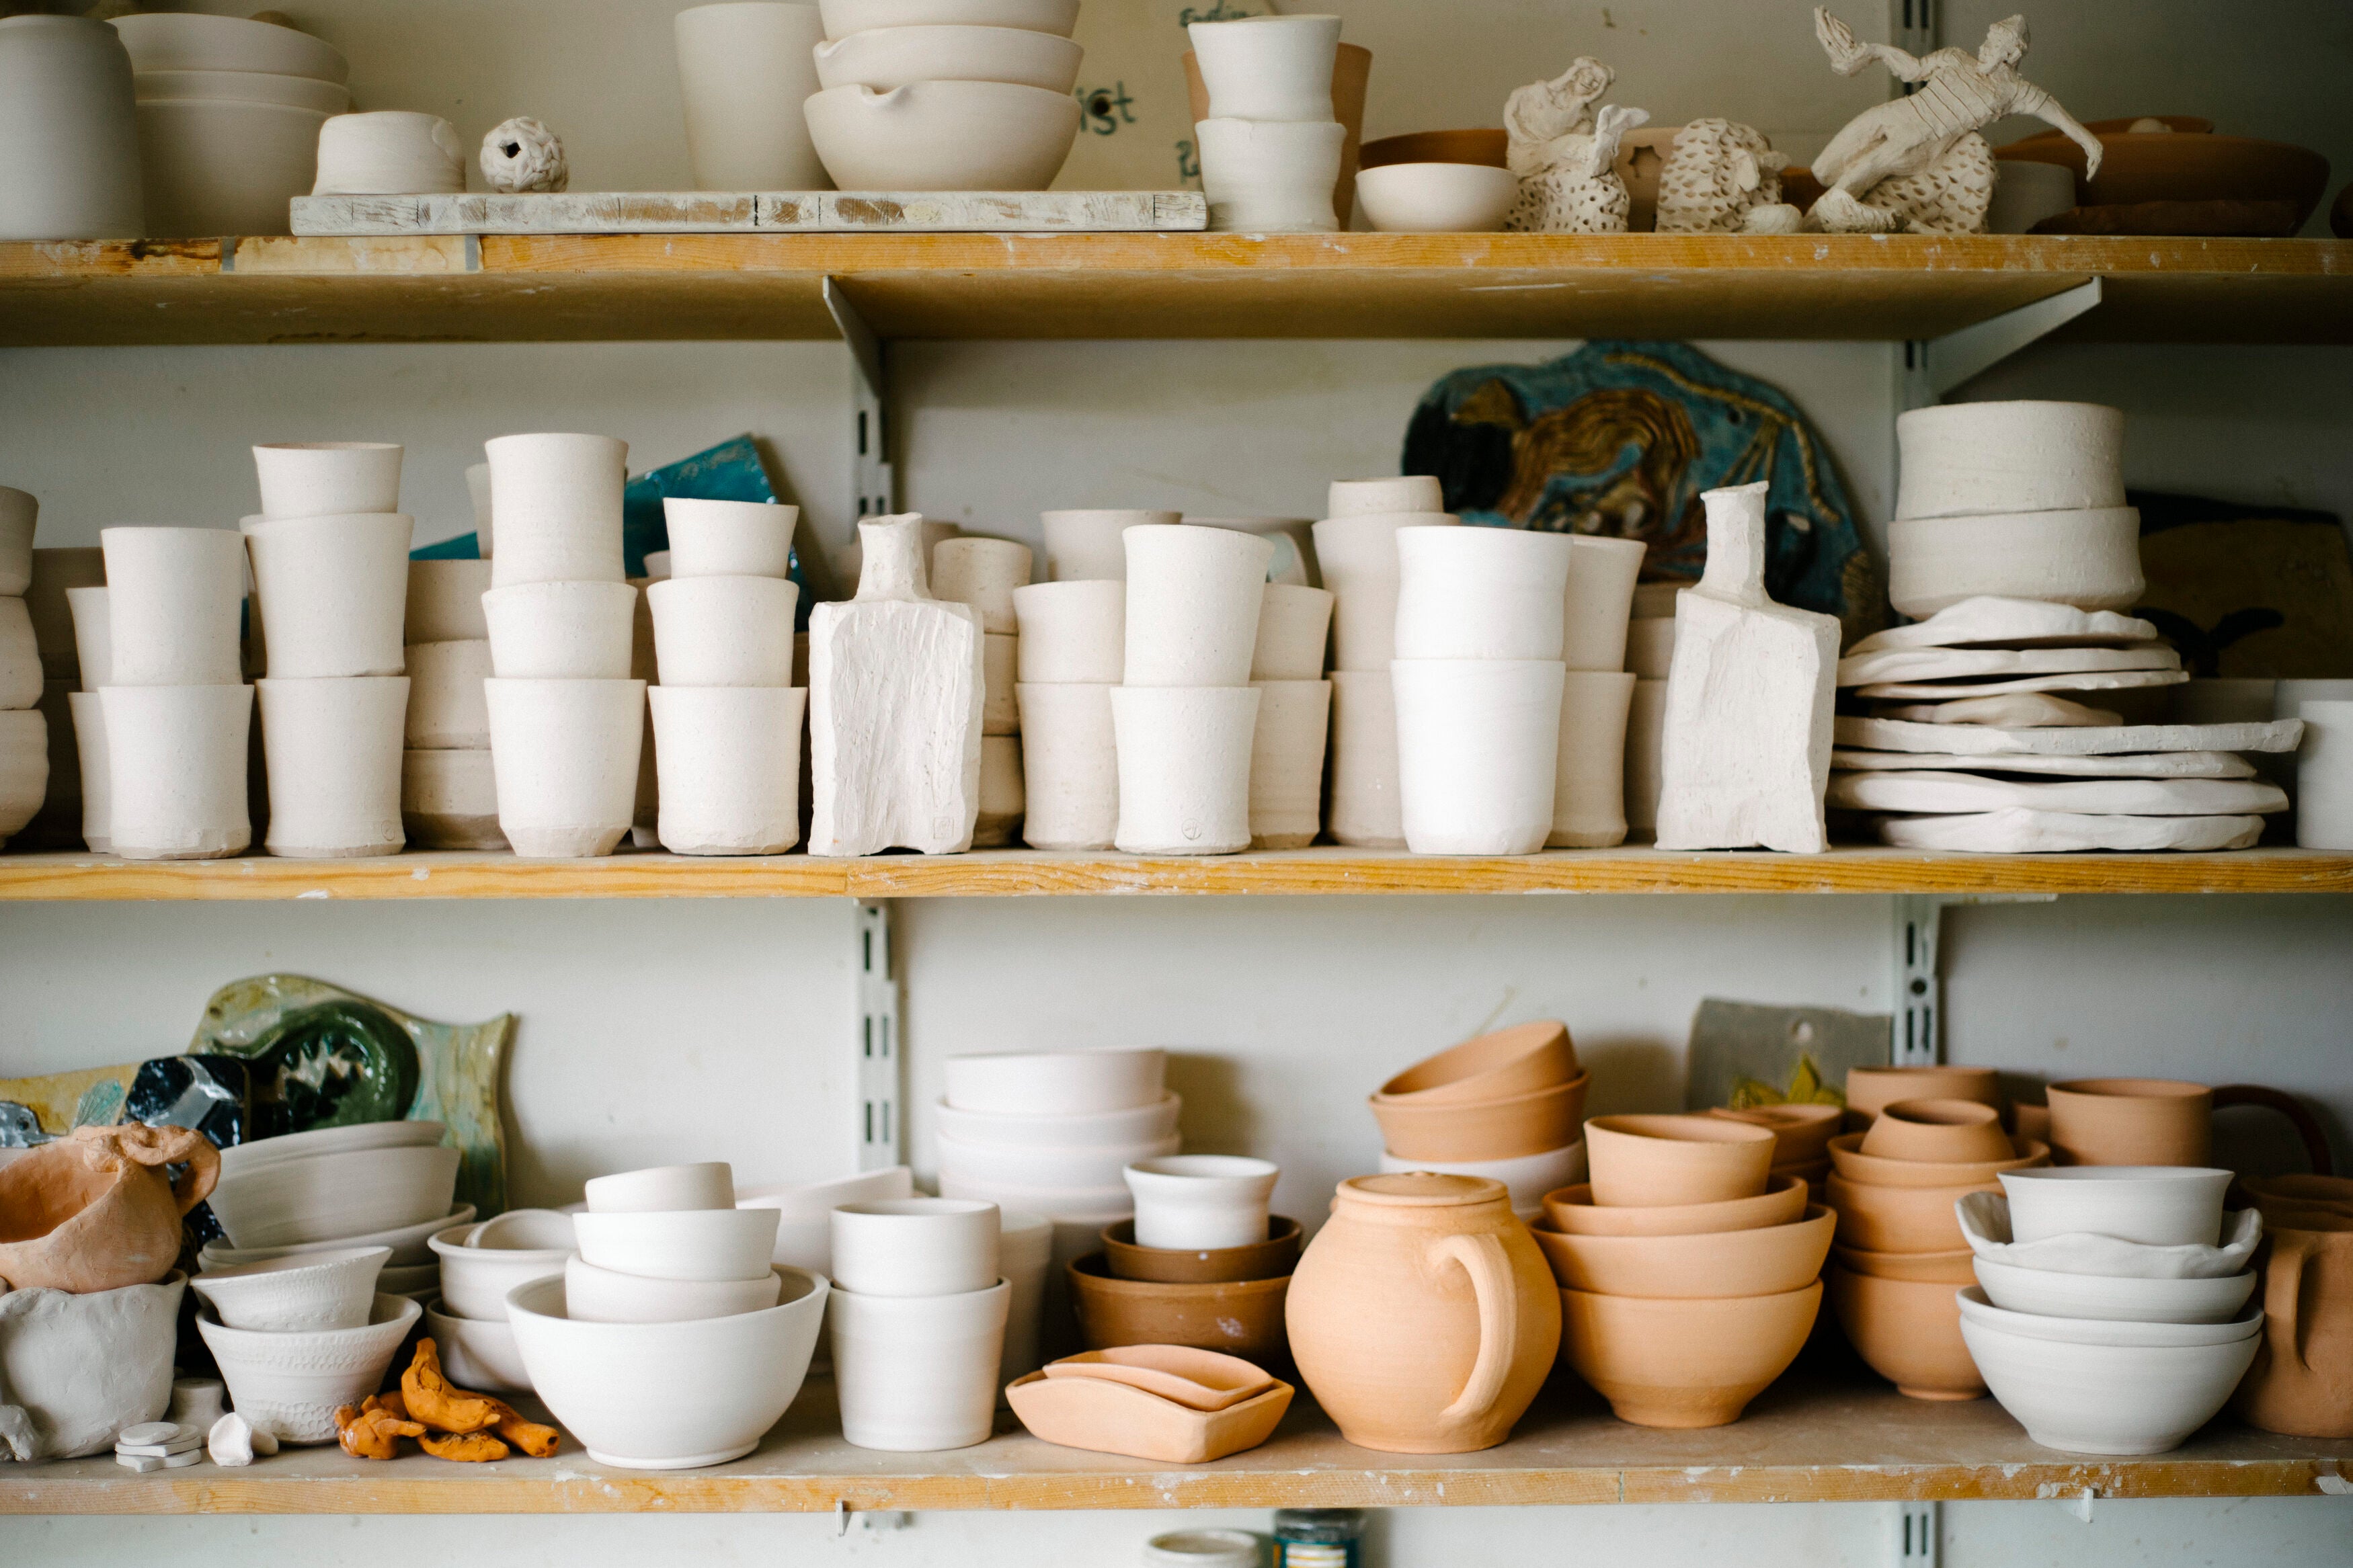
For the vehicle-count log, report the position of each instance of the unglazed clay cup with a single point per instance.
(1909, 1331)
(594, 1295)
(1072, 633)
(2131, 1122)
(1601, 576)
(1294, 627)
(1899, 1219)
(1070, 764)
(1769, 1260)
(566, 754)
(1288, 744)
(1201, 1202)
(1268, 67)
(173, 602)
(1685, 1364)
(1849, 1159)
(445, 602)
(1802, 1133)
(692, 1244)
(1643, 1161)
(560, 631)
(725, 631)
(915, 1246)
(1478, 752)
(1358, 554)
(983, 574)
(919, 1373)
(1088, 546)
(663, 1189)
(1480, 594)
(1194, 597)
(328, 479)
(1573, 1210)
(1941, 1131)
(1183, 757)
(558, 501)
(1509, 1128)
(332, 590)
(1521, 1060)
(728, 538)
(2158, 1205)
(331, 751)
(1870, 1090)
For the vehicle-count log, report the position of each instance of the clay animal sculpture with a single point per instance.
(1917, 163)
(94, 1210)
(1746, 754)
(1564, 153)
(1723, 177)
(522, 155)
(895, 692)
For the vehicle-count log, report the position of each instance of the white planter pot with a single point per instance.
(1070, 767)
(918, 1373)
(20, 658)
(558, 503)
(1002, 799)
(885, 57)
(942, 136)
(1646, 731)
(1201, 1202)
(1373, 498)
(2323, 776)
(1000, 713)
(982, 572)
(723, 631)
(1286, 785)
(97, 779)
(1090, 546)
(744, 71)
(93, 635)
(176, 757)
(2087, 559)
(1183, 768)
(173, 598)
(328, 479)
(445, 709)
(1268, 67)
(730, 764)
(333, 592)
(561, 631)
(449, 800)
(566, 753)
(1965, 459)
(332, 749)
(19, 513)
(1480, 593)
(445, 602)
(1364, 809)
(1601, 577)
(389, 153)
(1651, 647)
(24, 764)
(1294, 625)
(1271, 176)
(1071, 634)
(1478, 749)
(1588, 805)
(728, 538)
(67, 120)
(83, 1366)
(1193, 599)
(915, 1246)
(1359, 556)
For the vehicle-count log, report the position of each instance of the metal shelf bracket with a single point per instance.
(881, 1076)
(1915, 1535)
(1934, 367)
(1919, 1006)
(873, 480)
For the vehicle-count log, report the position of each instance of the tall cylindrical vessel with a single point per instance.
(69, 132)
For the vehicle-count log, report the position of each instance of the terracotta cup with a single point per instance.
(1767, 1262)
(1937, 1131)
(1572, 1209)
(2302, 1381)
(1909, 1331)
(2132, 1121)
(1521, 1060)
(1802, 1133)
(1685, 1364)
(1870, 1090)
(1241, 1318)
(94, 1211)
(1506, 1129)
(1640, 1161)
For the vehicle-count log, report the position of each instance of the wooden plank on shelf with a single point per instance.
(785, 212)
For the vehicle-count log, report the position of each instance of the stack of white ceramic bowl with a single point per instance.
(2111, 1313)
(1271, 149)
(945, 95)
(449, 790)
(1295, 716)
(330, 551)
(1185, 713)
(229, 116)
(567, 720)
(389, 153)
(1597, 695)
(726, 714)
(376, 1184)
(918, 1315)
(1050, 1131)
(1650, 655)
(24, 733)
(479, 1265)
(298, 1335)
(1357, 550)
(986, 573)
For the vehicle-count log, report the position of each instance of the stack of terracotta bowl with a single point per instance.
(1190, 1278)
(1870, 1090)
(1801, 1138)
(1901, 1254)
(1505, 1106)
(1690, 1274)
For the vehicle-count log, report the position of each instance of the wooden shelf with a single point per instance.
(1805, 1439)
(1029, 873)
(624, 287)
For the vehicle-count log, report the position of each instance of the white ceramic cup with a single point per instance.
(1000, 711)
(1478, 753)
(1646, 726)
(446, 707)
(1268, 67)
(445, 602)
(93, 636)
(1025, 1251)
(1479, 593)
(1199, 1202)
(1287, 747)
(1363, 750)
(1588, 807)
(1184, 767)
(915, 1246)
(1651, 647)
(557, 499)
(1193, 600)
(174, 597)
(333, 592)
(328, 479)
(1294, 625)
(332, 751)
(1001, 794)
(728, 538)
(1070, 766)
(566, 753)
(1359, 556)
(1088, 546)
(1601, 577)
(389, 153)
(729, 759)
(449, 800)
(20, 658)
(918, 1372)
(982, 572)
(1071, 634)
(744, 70)
(97, 776)
(2323, 776)
(1373, 498)
(725, 631)
(1266, 176)
(663, 1189)
(176, 763)
(561, 631)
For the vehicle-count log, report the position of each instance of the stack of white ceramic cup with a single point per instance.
(567, 720)
(448, 789)
(726, 714)
(330, 551)
(1589, 808)
(1271, 149)
(985, 573)
(1295, 716)
(918, 1316)
(1355, 548)
(24, 733)
(668, 1245)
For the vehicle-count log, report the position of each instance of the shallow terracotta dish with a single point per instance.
(1685, 1364)
(2186, 163)
(1767, 1262)
(1241, 1318)
(1910, 1333)
(1573, 1211)
(1870, 1090)
(1504, 1129)
(1952, 1268)
(1518, 1061)
(1803, 1132)
(1275, 1257)
(1108, 1417)
(1196, 1379)
(1938, 1131)
(1899, 1219)
(1485, 146)
(1656, 1161)
(1848, 1160)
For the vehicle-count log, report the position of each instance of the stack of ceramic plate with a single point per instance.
(378, 1184)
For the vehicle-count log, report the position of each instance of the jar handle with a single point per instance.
(1483, 1258)
(2316, 1142)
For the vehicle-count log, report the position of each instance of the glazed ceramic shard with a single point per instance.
(1984, 663)
(1987, 741)
(2017, 830)
(1989, 620)
(1955, 792)
(2019, 711)
(2154, 765)
(895, 693)
(1747, 751)
(2090, 681)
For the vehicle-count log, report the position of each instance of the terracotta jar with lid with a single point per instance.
(1422, 1316)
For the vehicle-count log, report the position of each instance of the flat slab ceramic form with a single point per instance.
(2089, 681)
(1990, 621)
(1960, 663)
(2019, 831)
(1956, 791)
(759, 211)
(2019, 711)
(1987, 741)
(2153, 765)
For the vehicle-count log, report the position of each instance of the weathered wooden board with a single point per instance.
(758, 212)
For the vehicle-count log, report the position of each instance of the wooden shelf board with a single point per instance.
(1806, 1439)
(1003, 873)
(660, 287)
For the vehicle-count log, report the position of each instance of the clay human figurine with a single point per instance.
(1917, 163)
(1723, 177)
(1563, 151)
(522, 155)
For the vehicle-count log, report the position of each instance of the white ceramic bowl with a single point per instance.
(475, 1279)
(290, 1384)
(298, 1294)
(885, 57)
(2050, 1294)
(2158, 1205)
(843, 17)
(1529, 1177)
(328, 1196)
(1055, 1168)
(1985, 1221)
(478, 1352)
(804, 1211)
(214, 166)
(244, 87)
(942, 136)
(409, 1244)
(524, 1230)
(1437, 198)
(594, 1295)
(915, 1246)
(1201, 1201)
(668, 1396)
(692, 1244)
(663, 1189)
(1975, 1306)
(1135, 1126)
(2107, 1399)
(244, 1157)
(194, 41)
(1057, 1083)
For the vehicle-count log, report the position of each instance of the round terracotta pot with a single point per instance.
(1243, 1318)
(1272, 1258)
(1802, 1133)
(1848, 1160)
(1769, 1260)
(1900, 1219)
(1521, 1060)
(1909, 1331)
(1506, 1129)
(1646, 1161)
(1941, 1131)
(1685, 1364)
(1467, 1321)
(2132, 1121)
(93, 1211)
(1573, 1210)
(1870, 1090)
(1954, 1268)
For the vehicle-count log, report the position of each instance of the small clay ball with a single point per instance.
(522, 155)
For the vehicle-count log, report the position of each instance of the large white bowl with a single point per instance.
(2107, 1399)
(409, 1244)
(2051, 1294)
(2158, 1205)
(843, 17)
(1057, 1083)
(300, 1293)
(194, 41)
(214, 166)
(668, 1396)
(1437, 198)
(1088, 1130)
(244, 1157)
(691, 1243)
(244, 87)
(1978, 1307)
(292, 1202)
(478, 1353)
(1048, 1168)
(290, 1384)
(475, 1279)
(885, 57)
(594, 1295)
(942, 136)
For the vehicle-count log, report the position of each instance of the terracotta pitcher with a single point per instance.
(2301, 1381)
(1423, 1317)
(93, 1211)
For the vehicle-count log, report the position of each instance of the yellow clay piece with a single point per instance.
(373, 1433)
(430, 1399)
(468, 1448)
(540, 1442)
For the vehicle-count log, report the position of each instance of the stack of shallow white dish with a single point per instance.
(379, 1183)
(2111, 1312)
(296, 1336)
(229, 111)
(479, 1265)
(1050, 1131)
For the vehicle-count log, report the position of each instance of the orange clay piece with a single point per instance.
(385, 1402)
(429, 1397)
(467, 1448)
(373, 1433)
(540, 1442)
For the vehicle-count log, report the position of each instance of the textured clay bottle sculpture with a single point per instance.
(95, 1211)
(1423, 1317)
(895, 692)
(1745, 756)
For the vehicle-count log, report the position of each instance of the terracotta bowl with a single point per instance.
(1803, 1132)
(1650, 1161)
(1848, 1160)
(1770, 1260)
(1272, 1258)
(1684, 1363)
(1910, 1333)
(1573, 1211)
(1954, 1268)
(2132, 1121)
(1899, 1219)
(1941, 1131)
(1870, 1090)
(2185, 164)
(1507, 1128)
(1488, 147)
(1519, 1060)
(1242, 1317)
